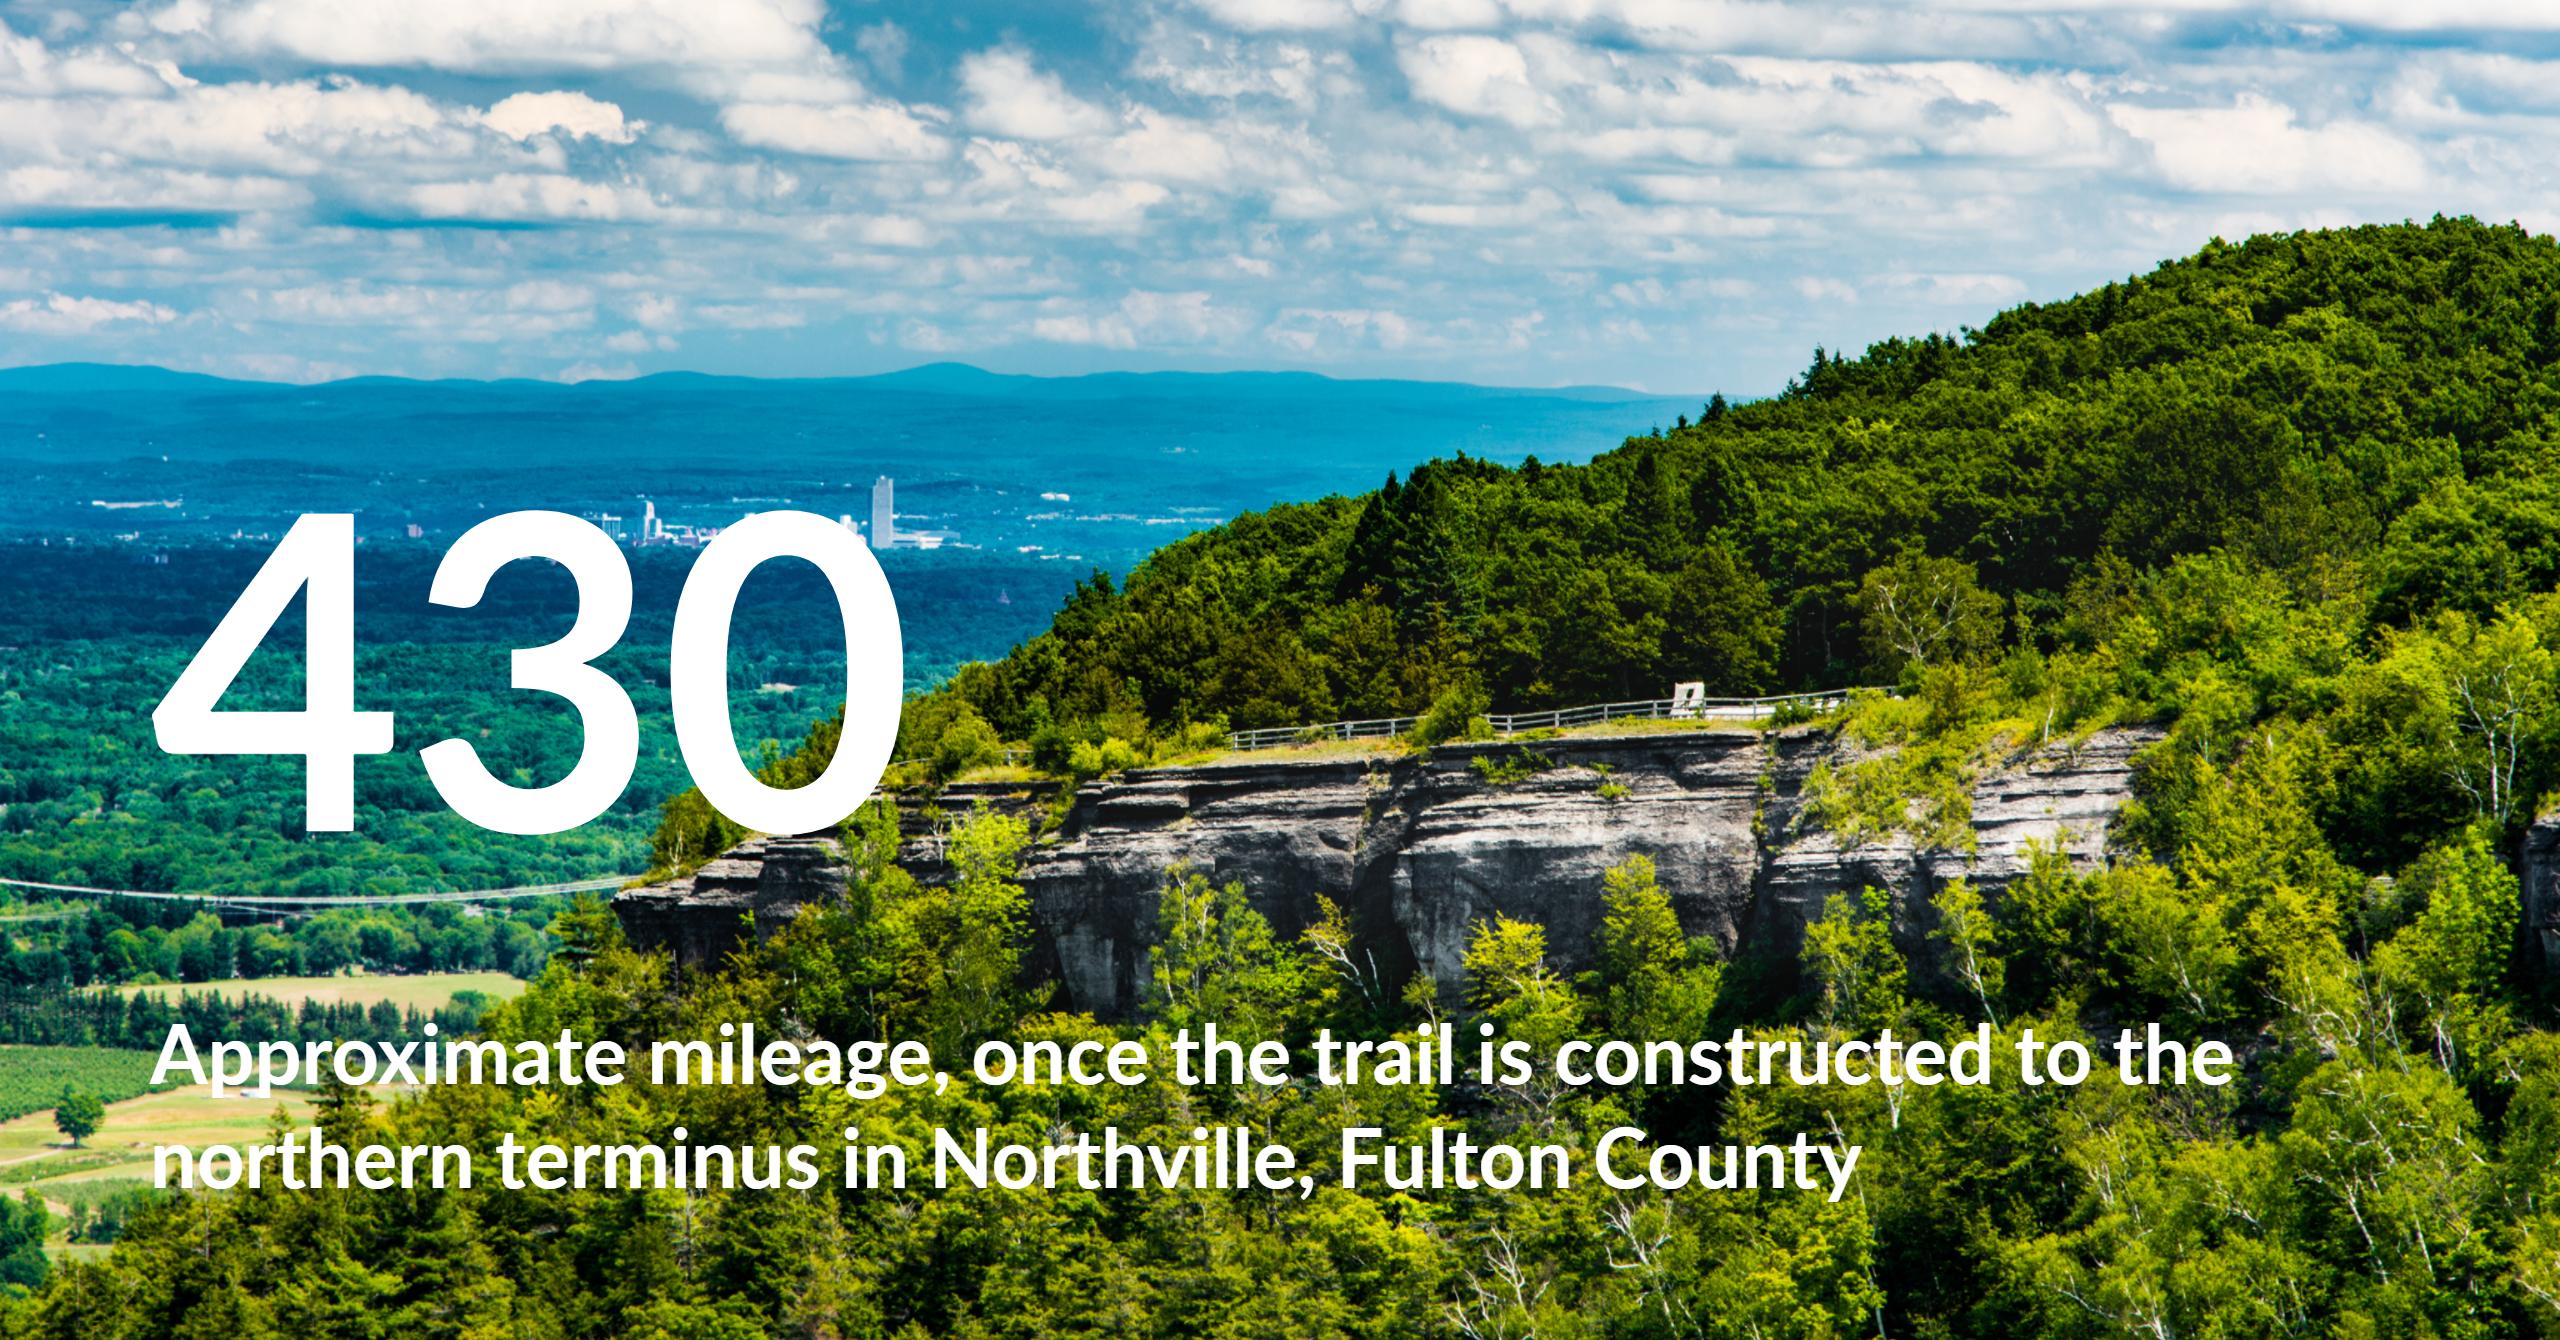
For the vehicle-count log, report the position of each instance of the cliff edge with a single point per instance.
(1419, 848)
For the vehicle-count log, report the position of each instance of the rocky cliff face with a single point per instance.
(1419, 849)
(752, 889)
(2540, 866)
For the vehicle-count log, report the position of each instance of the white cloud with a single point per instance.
(1288, 15)
(1480, 76)
(713, 42)
(28, 66)
(64, 314)
(1167, 148)
(2257, 146)
(1611, 190)
(110, 188)
(295, 128)
(522, 116)
(1229, 68)
(1976, 292)
(553, 196)
(751, 316)
(1009, 96)
(1308, 330)
(884, 44)
(868, 131)
(2432, 16)
(1450, 13)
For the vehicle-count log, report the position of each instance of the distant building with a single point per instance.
(884, 513)
(416, 531)
(884, 522)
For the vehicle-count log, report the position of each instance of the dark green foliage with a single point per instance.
(93, 641)
(134, 941)
(24, 1223)
(2282, 499)
(35, 1078)
(2369, 403)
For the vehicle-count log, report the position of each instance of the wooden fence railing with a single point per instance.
(1559, 718)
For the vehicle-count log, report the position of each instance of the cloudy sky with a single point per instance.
(1673, 194)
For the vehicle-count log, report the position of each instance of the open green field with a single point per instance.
(422, 991)
(32, 1078)
(33, 1155)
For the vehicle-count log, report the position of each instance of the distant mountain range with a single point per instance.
(1060, 473)
(934, 378)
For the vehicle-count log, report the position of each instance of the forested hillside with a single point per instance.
(2288, 497)
(2255, 464)
(2377, 398)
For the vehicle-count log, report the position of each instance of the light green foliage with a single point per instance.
(1509, 767)
(967, 742)
(1510, 985)
(78, 1114)
(2483, 690)
(1215, 960)
(2450, 964)
(1972, 941)
(1342, 974)
(1610, 788)
(955, 948)
(1654, 981)
(2291, 499)
(1918, 611)
(1089, 759)
(2174, 952)
(1924, 752)
(1856, 974)
(2397, 1174)
(1457, 714)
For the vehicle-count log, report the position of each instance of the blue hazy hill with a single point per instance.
(1138, 455)
(1031, 482)
(62, 411)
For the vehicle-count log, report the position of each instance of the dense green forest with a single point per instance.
(42, 1023)
(2289, 498)
(2363, 419)
(53, 958)
(133, 941)
(95, 637)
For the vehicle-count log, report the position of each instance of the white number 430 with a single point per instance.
(317, 559)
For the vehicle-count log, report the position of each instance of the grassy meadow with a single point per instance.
(420, 991)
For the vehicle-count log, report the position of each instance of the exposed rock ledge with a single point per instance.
(1418, 849)
(2540, 864)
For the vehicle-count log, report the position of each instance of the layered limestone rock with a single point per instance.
(752, 888)
(1419, 849)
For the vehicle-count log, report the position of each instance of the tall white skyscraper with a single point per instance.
(884, 513)
(648, 522)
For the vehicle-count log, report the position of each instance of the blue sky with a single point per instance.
(1678, 195)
